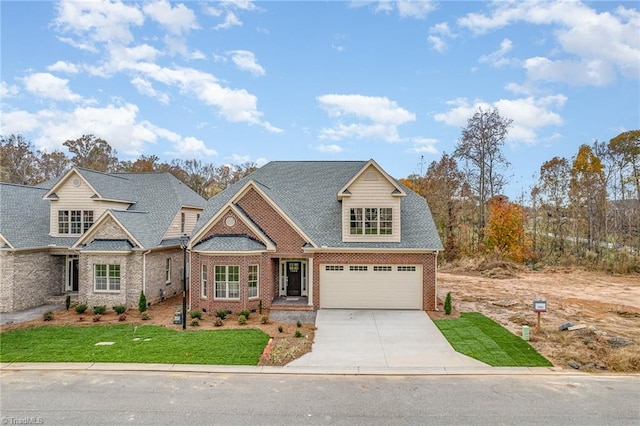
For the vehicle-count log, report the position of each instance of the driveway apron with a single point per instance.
(380, 338)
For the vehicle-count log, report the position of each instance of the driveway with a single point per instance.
(380, 338)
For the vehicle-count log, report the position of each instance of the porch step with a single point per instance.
(61, 298)
(291, 308)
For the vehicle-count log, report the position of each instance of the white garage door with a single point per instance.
(371, 286)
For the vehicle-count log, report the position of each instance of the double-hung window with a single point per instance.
(106, 277)
(167, 271)
(252, 283)
(74, 221)
(227, 282)
(203, 281)
(371, 221)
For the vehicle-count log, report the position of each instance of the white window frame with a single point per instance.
(369, 221)
(111, 281)
(226, 287)
(203, 281)
(74, 222)
(167, 271)
(253, 282)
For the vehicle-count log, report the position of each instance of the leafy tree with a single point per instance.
(92, 153)
(480, 147)
(505, 233)
(18, 162)
(625, 148)
(554, 200)
(52, 165)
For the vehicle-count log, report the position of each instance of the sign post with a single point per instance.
(538, 307)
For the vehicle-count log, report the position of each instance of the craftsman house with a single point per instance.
(101, 237)
(327, 234)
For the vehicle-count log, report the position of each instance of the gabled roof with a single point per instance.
(102, 245)
(306, 192)
(105, 186)
(230, 243)
(398, 191)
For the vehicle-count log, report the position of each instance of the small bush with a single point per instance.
(242, 320)
(81, 308)
(100, 309)
(67, 302)
(48, 316)
(97, 318)
(122, 317)
(196, 314)
(120, 309)
(142, 302)
(245, 313)
(280, 329)
(265, 319)
(195, 322)
(221, 313)
(298, 324)
(218, 322)
(298, 334)
(447, 304)
(145, 317)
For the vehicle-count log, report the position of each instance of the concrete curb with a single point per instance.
(342, 371)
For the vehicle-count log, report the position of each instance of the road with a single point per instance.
(145, 398)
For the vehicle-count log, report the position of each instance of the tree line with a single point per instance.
(582, 211)
(22, 163)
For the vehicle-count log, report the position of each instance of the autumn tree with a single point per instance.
(480, 147)
(92, 153)
(553, 193)
(52, 165)
(18, 162)
(505, 232)
(625, 149)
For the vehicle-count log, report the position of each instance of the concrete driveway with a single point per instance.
(380, 338)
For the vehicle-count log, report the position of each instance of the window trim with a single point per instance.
(108, 267)
(74, 222)
(368, 221)
(227, 282)
(167, 271)
(255, 282)
(203, 280)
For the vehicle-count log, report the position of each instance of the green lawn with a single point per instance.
(481, 338)
(152, 344)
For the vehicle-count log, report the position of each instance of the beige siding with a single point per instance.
(72, 197)
(175, 229)
(371, 189)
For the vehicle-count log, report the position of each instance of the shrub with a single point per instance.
(48, 316)
(218, 322)
(100, 309)
(195, 322)
(298, 324)
(97, 317)
(447, 304)
(145, 317)
(242, 320)
(245, 314)
(280, 329)
(81, 308)
(142, 302)
(196, 314)
(67, 302)
(265, 319)
(120, 309)
(122, 317)
(221, 313)
(298, 334)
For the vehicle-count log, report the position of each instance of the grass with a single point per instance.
(153, 344)
(481, 338)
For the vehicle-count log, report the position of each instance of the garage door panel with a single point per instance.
(371, 289)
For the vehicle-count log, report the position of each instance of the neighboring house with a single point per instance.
(101, 237)
(328, 234)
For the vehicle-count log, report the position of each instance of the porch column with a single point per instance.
(310, 282)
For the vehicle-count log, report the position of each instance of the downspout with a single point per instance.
(144, 271)
(435, 302)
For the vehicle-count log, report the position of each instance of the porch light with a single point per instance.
(184, 242)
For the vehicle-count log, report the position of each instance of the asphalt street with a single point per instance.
(158, 398)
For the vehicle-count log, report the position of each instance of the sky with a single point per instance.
(257, 81)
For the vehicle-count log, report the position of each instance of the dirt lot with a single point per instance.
(608, 305)
(284, 347)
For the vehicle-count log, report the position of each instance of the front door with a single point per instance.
(294, 278)
(72, 275)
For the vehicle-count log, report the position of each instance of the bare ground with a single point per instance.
(607, 305)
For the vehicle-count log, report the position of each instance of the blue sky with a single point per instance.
(229, 82)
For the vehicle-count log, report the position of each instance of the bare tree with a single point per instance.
(18, 162)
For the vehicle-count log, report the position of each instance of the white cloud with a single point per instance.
(329, 148)
(595, 43)
(415, 9)
(191, 147)
(49, 86)
(246, 61)
(261, 161)
(8, 91)
(146, 88)
(384, 114)
(529, 114)
(496, 58)
(230, 20)
(438, 35)
(62, 66)
(424, 146)
(177, 20)
(437, 43)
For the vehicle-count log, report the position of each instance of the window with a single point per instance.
(371, 221)
(334, 268)
(382, 268)
(358, 268)
(182, 221)
(227, 282)
(74, 221)
(106, 277)
(252, 284)
(203, 281)
(167, 271)
(406, 268)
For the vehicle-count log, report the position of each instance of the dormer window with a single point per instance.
(371, 221)
(74, 221)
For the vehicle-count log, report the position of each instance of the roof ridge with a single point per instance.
(100, 173)
(19, 185)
